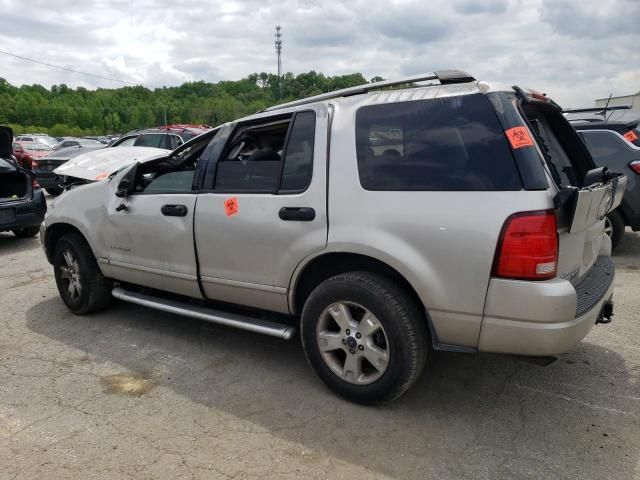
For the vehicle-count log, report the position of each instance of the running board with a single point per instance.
(256, 325)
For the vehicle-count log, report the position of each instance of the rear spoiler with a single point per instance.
(597, 110)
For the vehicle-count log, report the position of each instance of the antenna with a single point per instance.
(606, 105)
(279, 55)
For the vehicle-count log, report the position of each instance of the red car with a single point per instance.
(27, 152)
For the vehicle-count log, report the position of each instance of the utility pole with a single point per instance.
(279, 54)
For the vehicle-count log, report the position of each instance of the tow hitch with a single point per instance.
(606, 314)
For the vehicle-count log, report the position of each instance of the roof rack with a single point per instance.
(446, 77)
(600, 110)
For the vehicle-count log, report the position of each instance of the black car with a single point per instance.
(22, 202)
(81, 142)
(44, 167)
(613, 137)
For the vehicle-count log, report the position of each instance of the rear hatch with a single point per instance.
(15, 184)
(585, 194)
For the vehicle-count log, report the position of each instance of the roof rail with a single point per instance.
(446, 77)
(600, 110)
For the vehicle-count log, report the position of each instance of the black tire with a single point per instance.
(616, 227)
(54, 191)
(95, 291)
(403, 324)
(26, 232)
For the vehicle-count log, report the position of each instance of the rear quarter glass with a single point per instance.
(443, 144)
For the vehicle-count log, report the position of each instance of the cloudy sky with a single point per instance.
(574, 50)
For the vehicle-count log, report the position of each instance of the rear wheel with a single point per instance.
(26, 232)
(54, 191)
(614, 227)
(364, 337)
(80, 282)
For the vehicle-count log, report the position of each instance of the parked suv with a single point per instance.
(22, 202)
(613, 137)
(381, 222)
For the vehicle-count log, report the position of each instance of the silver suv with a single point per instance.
(384, 222)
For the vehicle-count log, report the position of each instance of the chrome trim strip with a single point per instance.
(223, 318)
(249, 286)
(156, 271)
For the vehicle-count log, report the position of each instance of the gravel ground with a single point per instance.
(135, 393)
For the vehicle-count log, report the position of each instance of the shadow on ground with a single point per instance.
(468, 416)
(9, 243)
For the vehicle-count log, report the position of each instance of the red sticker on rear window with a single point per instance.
(519, 137)
(231, 206)
(631, 136)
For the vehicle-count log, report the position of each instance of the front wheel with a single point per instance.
(54, 191)
(26, 232)
(80, 282)
(364, 337)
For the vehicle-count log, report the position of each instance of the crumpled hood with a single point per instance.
(98, 164)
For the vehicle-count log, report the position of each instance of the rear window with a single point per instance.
(158, 140)
(451, 143)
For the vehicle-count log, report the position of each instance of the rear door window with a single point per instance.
(453, 143)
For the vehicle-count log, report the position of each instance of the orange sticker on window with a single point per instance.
(519, 137)
(631, 136)
(231, 206)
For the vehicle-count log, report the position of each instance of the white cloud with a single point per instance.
(575, 50)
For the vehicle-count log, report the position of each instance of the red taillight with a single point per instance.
(528, 247)
(635, 166)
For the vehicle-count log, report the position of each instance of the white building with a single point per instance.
(632, 100)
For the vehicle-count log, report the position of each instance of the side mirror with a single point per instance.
(124, 188)
(127, 182)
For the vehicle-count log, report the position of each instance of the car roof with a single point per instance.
(376, 96)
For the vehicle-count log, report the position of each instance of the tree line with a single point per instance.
(61, 110)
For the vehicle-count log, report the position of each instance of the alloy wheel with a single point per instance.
(70, 275)
(353, 343)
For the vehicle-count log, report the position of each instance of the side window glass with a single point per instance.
(451, 143)
(253, 158)
(604, 145)
(127, 142)
(298, 162)
(176, 141)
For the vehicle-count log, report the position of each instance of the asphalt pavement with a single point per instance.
(136, 393)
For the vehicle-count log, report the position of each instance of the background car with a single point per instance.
(613, 138)
(102, 139)
(168, 137)
(81, 142)
(22, 202)
(26, 152)
(40, 138)
(45, 166)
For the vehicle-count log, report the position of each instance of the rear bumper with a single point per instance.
(544, 318)
(48, 179)
(27, 213)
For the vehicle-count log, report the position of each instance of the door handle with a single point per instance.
(297, 214)
(174, 210)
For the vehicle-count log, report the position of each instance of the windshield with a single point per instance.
(49, 141)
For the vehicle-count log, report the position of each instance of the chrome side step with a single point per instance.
(256, 325)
